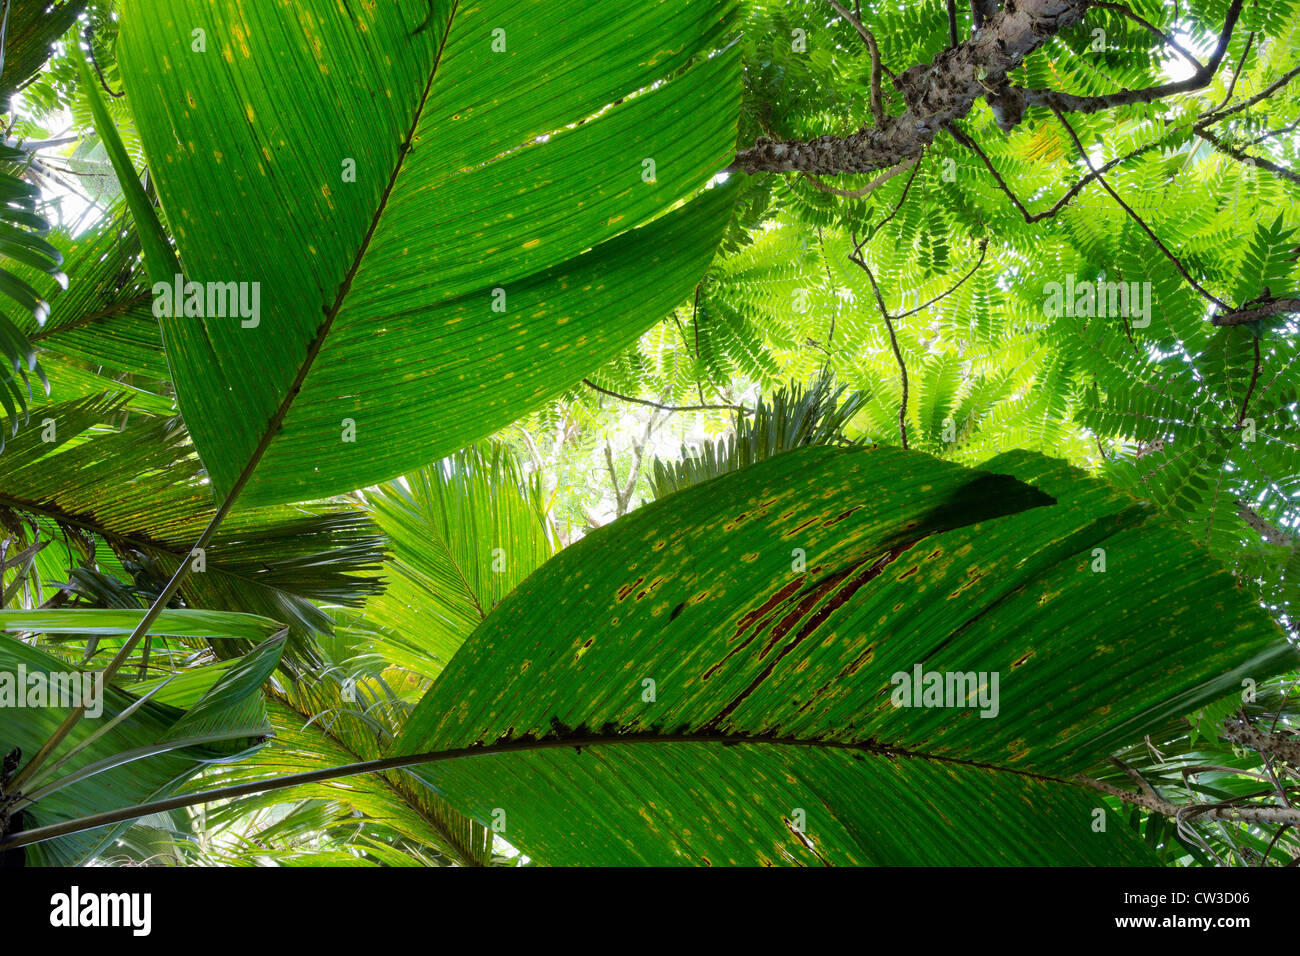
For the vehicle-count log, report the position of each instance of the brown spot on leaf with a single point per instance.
(838, 518)
(627, 589)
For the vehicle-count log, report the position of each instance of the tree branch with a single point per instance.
(861, 263)
(1201, 811)
(1285, 747)
(1255, 312)
(1250, 389)
(981, 11)
(969, 142)
(1219, 114)
(1257, 161)
(1073, 103)
(983, 244)
(877, 106)
(859, 193)
(1135, 217)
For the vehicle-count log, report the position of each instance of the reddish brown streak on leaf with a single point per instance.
(819, 617)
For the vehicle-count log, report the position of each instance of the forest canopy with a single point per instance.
(715, 432)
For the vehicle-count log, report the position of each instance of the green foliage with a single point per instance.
(544, 211)
(474, 224)
(463, 533)
(792, 418)
(140, 749)
(689, 680)
(22, 241)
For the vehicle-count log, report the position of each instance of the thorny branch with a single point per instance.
(945, 90)
(938, 94)
(1280, 752)
(935, 94)
(1284, 747)
(1224, 810)
(1073, 103)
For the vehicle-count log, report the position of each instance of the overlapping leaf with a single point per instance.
(711, 678)
(131, 752)
(474, 228)
(142, 490)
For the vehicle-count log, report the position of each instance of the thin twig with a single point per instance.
(1151, 28)
(665, 408)
(861, 263)
(871, 186)
(966, 140)
(943, 295)
(1254, 377)
(1135, 217)
(830, 284)
(90, 53)
(1232, 81)
(857, 247)
(877, 106)
(1219, 114)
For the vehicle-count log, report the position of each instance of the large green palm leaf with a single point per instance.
(712, 677)
(490, 171)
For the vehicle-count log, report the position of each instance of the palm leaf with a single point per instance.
(771, 734)
(322, 723)
(21, 242)
(148, 753)
(101, 335)
(141, 490)
(32, 29)
(171, 623)
(792, 417)
(462, 534)
(474, 162)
